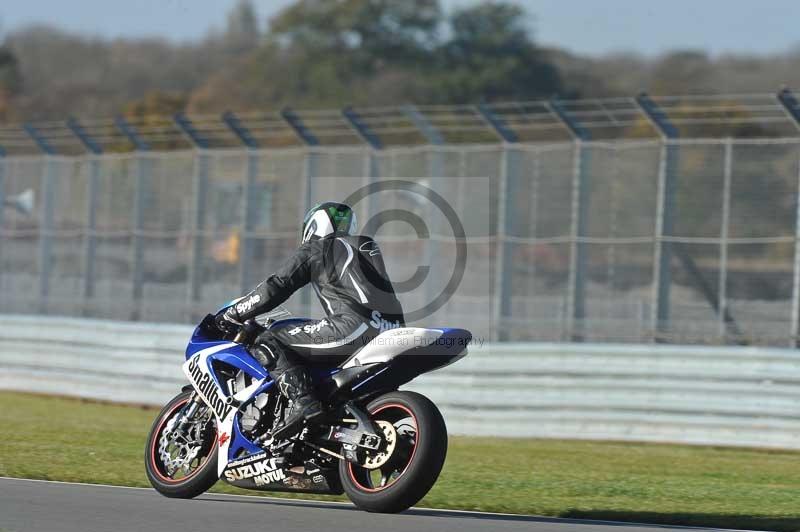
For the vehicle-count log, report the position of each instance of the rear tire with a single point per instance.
(419, 471)
(200, 479)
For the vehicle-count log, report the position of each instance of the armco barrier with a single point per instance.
(701, 395)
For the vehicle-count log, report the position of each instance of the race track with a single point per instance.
(40, 506)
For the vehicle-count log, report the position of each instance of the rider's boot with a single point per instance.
(295, 385)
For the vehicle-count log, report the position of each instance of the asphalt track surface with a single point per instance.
(42, 506)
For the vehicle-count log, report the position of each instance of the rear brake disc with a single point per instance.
(379, 459)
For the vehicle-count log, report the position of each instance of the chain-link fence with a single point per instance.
(629, 240)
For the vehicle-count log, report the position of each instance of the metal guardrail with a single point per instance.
(696, 395)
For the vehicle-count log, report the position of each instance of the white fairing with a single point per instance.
(225, 423)
(393, 342)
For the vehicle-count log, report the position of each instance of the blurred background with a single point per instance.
(99, 58)
(626, 172)
(635, 166)
(640, 162)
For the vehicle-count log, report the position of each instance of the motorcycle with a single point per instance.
(382, 446)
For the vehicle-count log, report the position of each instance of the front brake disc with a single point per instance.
(178, 451)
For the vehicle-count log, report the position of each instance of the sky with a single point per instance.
(589, 27)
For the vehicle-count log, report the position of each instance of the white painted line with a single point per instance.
(350, 505)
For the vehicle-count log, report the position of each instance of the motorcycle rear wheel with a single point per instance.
(197, 479)
(410, 470)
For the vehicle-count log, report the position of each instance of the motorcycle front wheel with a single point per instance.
(182, 463)
(408, 464)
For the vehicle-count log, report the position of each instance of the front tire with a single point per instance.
(417, 457)
(194, 480)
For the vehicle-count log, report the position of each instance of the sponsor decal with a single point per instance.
(248, 304)
(208, 389)
(378, 322)
(269, 478)
(248, 460)
(370, 248)
(318, 479)
(263, 471)
(310, 328)
(223, 438)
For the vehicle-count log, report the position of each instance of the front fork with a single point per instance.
(182, 421)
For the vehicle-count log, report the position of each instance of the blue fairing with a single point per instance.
(240, 443)
(238, 357)
(200, 341)
(450, 344)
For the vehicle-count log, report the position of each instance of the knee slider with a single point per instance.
(266, 355)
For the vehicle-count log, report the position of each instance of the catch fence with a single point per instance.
(601, 221)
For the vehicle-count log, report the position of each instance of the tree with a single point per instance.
(243, 33)
(491, 56)
(153, 109)
(370, 33)
(10, 80)
(679, 72)
(331, 53)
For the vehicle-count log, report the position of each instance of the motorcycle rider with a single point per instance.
(349, 277)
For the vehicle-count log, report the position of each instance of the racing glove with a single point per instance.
(228, 320)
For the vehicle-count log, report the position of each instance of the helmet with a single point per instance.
(327, 218)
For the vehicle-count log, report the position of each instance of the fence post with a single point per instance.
(536, 177)
(3, 163)
(789, 102)
(581, 195)
(421, 122)
(248, 196)
(90, 246)
(722, 290)
(247, 255)
(198, 227)
(141, 182)
(202, 165)
(143, 171)
(47, 221)
(371, 167)
(795, 327)
(47, 215)
(665, 213)
(435, 173)
(92, 193)
(506, 193)
(310, 171)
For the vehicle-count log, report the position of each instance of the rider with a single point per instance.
(348, 274)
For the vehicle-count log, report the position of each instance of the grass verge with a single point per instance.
(73, 440)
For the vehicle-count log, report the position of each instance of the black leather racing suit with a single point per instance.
(348, 274)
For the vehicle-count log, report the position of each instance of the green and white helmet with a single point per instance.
(328, 218)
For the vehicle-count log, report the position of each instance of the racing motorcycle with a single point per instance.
(381, 446)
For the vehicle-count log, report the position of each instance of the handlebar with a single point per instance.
(248, 332)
